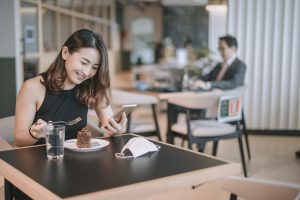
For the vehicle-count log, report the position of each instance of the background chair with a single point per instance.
(256, 189)
(221, 109)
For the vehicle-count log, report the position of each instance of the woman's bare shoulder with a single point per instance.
(34, 84)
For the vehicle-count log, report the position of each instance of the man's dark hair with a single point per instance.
(230, 40)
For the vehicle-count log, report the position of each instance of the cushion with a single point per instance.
(204, 128)
(142, 127)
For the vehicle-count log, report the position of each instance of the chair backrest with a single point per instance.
(229, 108)
(206, 100)
(7, 126)
(226, 108)
(239, 91)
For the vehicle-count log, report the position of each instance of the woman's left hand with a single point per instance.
(114, 128)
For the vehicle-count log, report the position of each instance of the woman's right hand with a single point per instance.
(113, 128)
(37, 129)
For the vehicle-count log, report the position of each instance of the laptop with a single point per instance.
(172, 82)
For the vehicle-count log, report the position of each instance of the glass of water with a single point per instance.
(55, 137)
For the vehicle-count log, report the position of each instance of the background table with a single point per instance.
(99, 174)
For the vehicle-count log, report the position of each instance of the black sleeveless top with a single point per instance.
(62, 106)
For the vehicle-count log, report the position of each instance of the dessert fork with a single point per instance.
(69, 123)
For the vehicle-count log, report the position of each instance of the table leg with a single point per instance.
(8, 190)
(153, 107)
(172, 113)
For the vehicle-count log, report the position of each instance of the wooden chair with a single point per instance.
(257, 189)
(224, 123)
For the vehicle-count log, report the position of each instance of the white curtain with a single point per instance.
(268, 32)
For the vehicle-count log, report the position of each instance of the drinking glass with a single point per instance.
(55, 137)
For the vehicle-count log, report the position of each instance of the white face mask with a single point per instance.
(137, 146)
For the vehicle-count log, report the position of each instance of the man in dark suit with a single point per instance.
(226, 75)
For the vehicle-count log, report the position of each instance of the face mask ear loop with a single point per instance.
(121, 155)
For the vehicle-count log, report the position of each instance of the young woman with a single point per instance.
(78, 79)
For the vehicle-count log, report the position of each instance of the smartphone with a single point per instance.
(127, 108)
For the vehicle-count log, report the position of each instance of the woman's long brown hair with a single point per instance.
(93, 90)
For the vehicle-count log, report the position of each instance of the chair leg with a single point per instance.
(297, 153)
(128, 123)
(201, 146)
(215, 148)
(233, 196)
(170, 137)
(242, 155)
(153, 106)
(189, 145)
(170, 120)
(243, 122)
(182, 142)
(247, 144)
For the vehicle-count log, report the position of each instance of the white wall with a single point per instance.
(268, 33)
(7, 39)
(9, 36)
(131, 13)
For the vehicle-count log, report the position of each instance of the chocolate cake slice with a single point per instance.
(84, 138)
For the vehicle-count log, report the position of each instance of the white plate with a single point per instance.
(96, 144)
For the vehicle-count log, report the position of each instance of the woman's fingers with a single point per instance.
(113, 127)
(38, 128)
(40, 121)
(109, 127)
(123, 121)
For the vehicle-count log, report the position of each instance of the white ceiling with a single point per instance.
(184, 2)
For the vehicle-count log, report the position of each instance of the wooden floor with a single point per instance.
(273, 158)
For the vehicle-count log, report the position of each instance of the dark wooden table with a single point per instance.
(100, 175)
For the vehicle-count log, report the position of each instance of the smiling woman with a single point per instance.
(77, 79)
